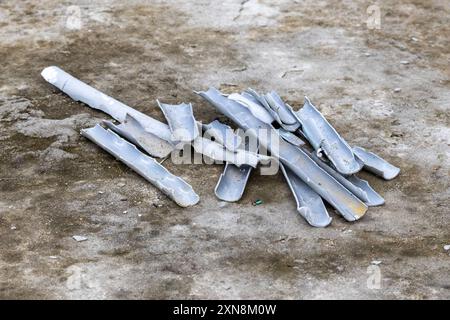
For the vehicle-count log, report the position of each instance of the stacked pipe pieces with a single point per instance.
(318, 164)
(323, 169)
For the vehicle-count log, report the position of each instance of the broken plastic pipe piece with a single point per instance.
(132, 130)
(290, 137)
(322, 135)
(374, 199)
(309, 204)
(233, 180)
(181, 121)
(280, 112)
(80, 91)
(349, 206)
(376, 164)
(254, 106)
(263, 102)
(218, 152)
(283, 110)
(174, 187)
(364, 193)
(258, 98)
(223, 134)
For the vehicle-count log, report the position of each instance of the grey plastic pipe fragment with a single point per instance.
(361, 188)
(290, 137)
(259, 98)
(323, 136)
(249, 96)
(309, 203)
(218, 152)
(233, 180)
(80, 91)
(223, 134)
(181, 121)
(254, 106)
(348, 205)
(374, 199)
(290, 127)
(376, 164)
(280, 112)
(174, 187)
(262, 101)
(361, 194)
(132, 130)
(282, 109)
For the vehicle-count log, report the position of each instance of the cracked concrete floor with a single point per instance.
(55, 184)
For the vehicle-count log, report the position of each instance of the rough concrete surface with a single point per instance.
(55, 184)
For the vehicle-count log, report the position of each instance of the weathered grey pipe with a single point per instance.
(223, 134)
(290, 137)
(181, 121)
(174, 187)
(80, 91)
(218, 152)
(280, 112)
(294, 158)
(374, 198)
(132, 130)
(233, 180)
(376, 164)
(284, 111)
(309, 203)
(263, 102)
(253, 105)
(361, 189)
(321, 134)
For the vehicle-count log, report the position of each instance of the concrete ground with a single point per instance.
(55, 184)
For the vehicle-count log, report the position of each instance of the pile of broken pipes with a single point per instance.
(323, 170)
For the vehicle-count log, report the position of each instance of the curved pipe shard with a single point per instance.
(282, 109)
(373, 198)
(322, 135)
(253, 105)
(132, 130)
(223, 134)
(181, 121)
(309, 203)
(218, 152)
(263, 102)
(358, 187)
(174, 187)
(233, 180)
(376, 164)
(280, 112)
(80, 91)
(290, 137)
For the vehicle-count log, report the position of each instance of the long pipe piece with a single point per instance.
(174, 187)
(358, 187)
(322, 135)
(132, 130)
(80, 91)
